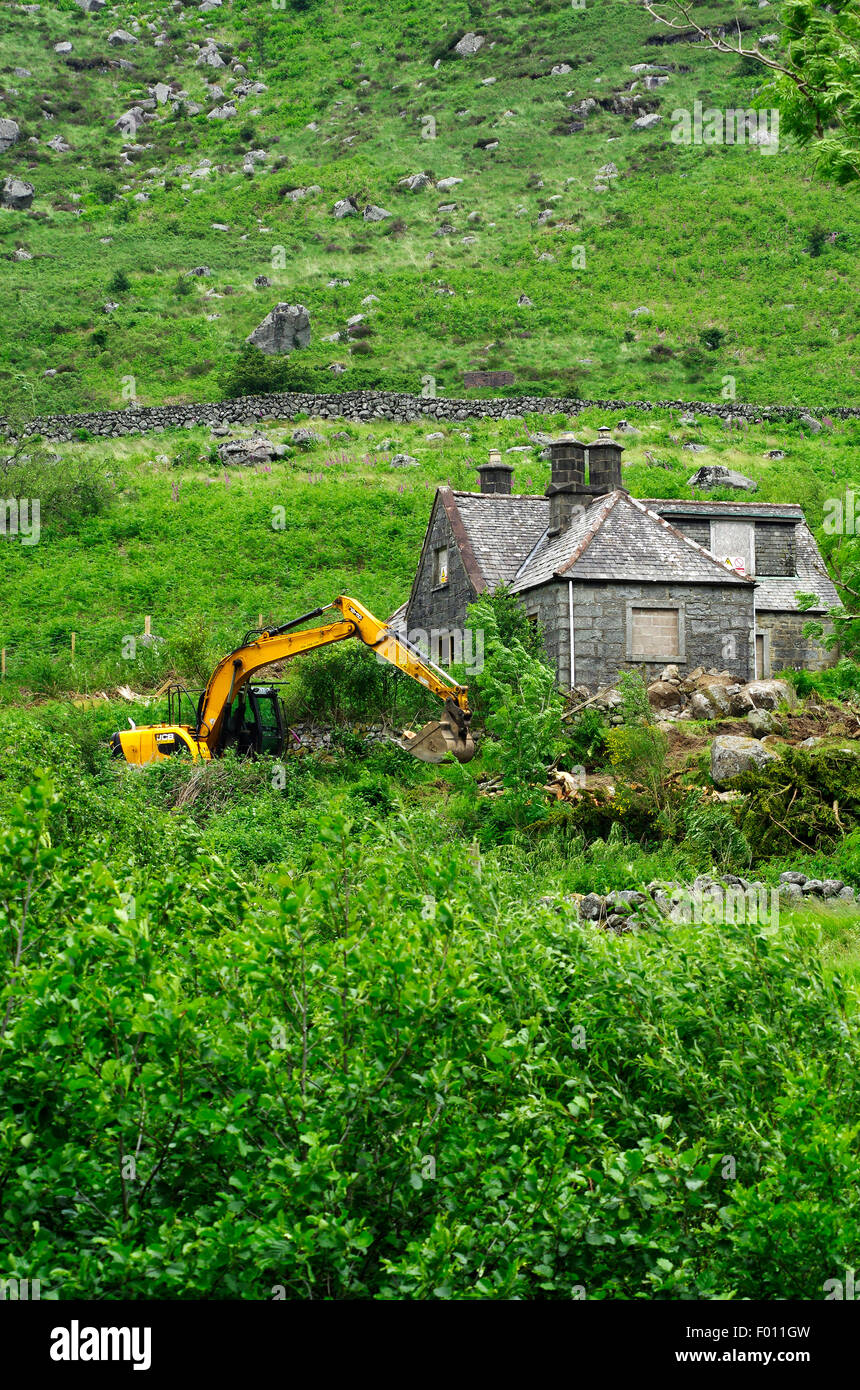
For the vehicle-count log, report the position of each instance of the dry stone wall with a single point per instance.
(385, 405)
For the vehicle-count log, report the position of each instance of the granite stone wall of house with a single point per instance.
(435, 606)
(716, 628)
(788, 648)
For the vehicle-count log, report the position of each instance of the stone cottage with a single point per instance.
(618, 582)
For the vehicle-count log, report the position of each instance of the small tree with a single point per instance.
(523, 708)
(814, 79)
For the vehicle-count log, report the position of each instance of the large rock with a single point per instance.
(770, 694)
(345, 207)
(246, 452)
(469, 44)
(731, 755)
(10, 132)
(210, 57)
(713, 697)
(120, 36)
(712, 475)
(90, 6)
(288, 326)
(761, 722)
(372, 213)
(16, 193)
(414, 182)
(664, 695)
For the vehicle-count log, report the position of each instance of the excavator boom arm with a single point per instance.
(233, 672)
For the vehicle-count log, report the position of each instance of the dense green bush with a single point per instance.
(253, 373)
(346, 1089)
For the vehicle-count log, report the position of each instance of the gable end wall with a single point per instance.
(434, 607)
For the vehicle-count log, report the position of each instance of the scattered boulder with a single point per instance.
(414, 182)
(761, 722)
(305, 438)
(10, 133)
(222, 113)
(445, 184)
(372, 213)
(286, 327)
(813, 425)
(246, 452)
(121, 36)
(664, 695)
(16, 194)
(712, 475)
(713, 699)
(345, 207)
(404, 461)
(469, 45)
(732, 754)
(647, 121)
(90, 6)
(261, 282)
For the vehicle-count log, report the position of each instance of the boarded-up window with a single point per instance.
(733, 542)
(654, 634)
(440, 568)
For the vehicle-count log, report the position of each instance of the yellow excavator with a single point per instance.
(234, 713)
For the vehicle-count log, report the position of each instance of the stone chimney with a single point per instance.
(569, 494)
(604, 463)
(567, 463)
(496, 476)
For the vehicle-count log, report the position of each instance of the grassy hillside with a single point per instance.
(175, 535)
(702, 237)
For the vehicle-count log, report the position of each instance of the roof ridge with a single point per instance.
(612, 499)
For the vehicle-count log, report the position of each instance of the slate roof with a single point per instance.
(618, 538)
(503, 529)
(622, 538)
(767, 511)
(777, 595)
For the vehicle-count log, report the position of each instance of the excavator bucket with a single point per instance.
(436, 740)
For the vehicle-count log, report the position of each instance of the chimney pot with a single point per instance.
(494, 475)
(604, 462)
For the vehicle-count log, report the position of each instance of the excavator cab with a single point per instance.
(254, 722)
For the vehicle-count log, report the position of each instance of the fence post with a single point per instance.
(3, 664)
(74, 635)
(147, 625)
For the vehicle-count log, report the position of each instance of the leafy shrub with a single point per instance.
(711, 837)
(347, 684)
(587, 737)
(807, 799)
(68, 489)
(369, 1066)
(252, 373)
(712, 338)
(522, 711)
